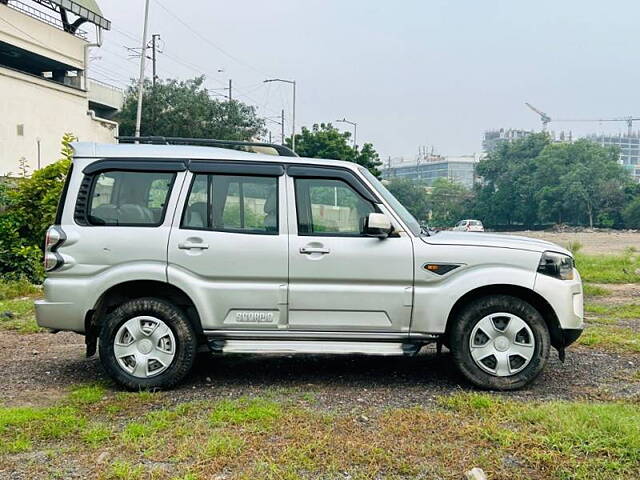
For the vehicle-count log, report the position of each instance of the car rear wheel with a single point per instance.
(147, 343)
(500, 342)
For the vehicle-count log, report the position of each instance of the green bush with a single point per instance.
(631, 214)
(27, 211)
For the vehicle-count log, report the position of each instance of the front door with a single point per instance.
(340, 279)
(228, 246)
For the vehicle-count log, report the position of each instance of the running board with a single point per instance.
(310, 346)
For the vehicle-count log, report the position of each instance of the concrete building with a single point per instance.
(629, 146)
(44, 89)
(457, 168)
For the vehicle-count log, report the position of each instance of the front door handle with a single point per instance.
(310, 250)
(188, 245)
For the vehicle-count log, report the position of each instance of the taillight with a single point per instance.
(54, 238)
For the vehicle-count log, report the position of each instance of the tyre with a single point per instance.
(147, 343)
(500, 342)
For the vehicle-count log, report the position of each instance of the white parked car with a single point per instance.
(469, 226)
(161, 251)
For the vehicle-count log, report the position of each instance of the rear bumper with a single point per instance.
(59, 316)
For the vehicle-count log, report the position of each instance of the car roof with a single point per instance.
(90, 150)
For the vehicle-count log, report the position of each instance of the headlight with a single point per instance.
(556, 265)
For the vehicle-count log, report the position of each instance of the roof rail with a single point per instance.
(210, 142)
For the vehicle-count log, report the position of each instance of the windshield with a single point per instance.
(408, 219)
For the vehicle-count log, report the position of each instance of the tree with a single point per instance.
(532, 181)
(508, 193)
(410, 194)
(175, 108)
(580, 182)
(448, 202)
(631, 214)
(326, 141)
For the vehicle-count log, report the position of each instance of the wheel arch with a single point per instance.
(121, 292)
(533, 298)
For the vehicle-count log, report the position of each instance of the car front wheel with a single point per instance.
(500, 342)
(147, 343)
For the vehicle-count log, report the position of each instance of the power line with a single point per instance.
(197, 68)
(207, 40)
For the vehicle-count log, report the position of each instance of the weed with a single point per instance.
(574, 246)
(257, 411)
(87, 394)
(223, 444)
(125, 471)
(96, 435)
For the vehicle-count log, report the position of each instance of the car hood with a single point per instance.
(492, 240)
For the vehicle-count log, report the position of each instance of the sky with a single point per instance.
(410, 73)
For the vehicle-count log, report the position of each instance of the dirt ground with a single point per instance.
(38, 369)
(592, 242)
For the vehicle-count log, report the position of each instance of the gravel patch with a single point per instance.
(39, 369)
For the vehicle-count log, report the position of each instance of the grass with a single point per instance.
(17, 312)
(17, 288)
(591, 290)
(611, 338)
(623, 268)
(276, 437)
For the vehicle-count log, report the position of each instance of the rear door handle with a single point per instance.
(191, 245)
(310, 250)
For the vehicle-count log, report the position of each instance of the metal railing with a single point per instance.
(42, 16)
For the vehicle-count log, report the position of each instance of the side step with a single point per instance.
(311, 346)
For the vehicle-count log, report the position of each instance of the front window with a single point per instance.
(330, 207)
(408, 219)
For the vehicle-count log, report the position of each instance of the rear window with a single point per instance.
(128, 198)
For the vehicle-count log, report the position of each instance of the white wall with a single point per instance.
(47, 111)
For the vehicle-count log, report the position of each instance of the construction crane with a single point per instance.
(543, 116)
(546, 119)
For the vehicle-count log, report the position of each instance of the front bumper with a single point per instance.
(566, 299)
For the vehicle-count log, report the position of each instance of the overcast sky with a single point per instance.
(410, 73)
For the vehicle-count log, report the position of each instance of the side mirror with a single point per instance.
(377, 225)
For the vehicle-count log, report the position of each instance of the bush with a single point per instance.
(27, 211)
(631, 214)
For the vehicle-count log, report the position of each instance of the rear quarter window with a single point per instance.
(129, 198)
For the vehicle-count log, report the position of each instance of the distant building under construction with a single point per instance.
(629, 146)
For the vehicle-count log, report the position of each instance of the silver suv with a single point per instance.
(161, 251)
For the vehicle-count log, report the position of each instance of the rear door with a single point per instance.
(340, 279)
(228, 245)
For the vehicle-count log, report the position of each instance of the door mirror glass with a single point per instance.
(378, 225)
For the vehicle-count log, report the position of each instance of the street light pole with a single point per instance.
(293, 115)
(355, 129)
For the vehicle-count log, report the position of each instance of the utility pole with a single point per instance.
(293, 115)
(143, 57)
(154, 47)
(230, 96)
(282, 125)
